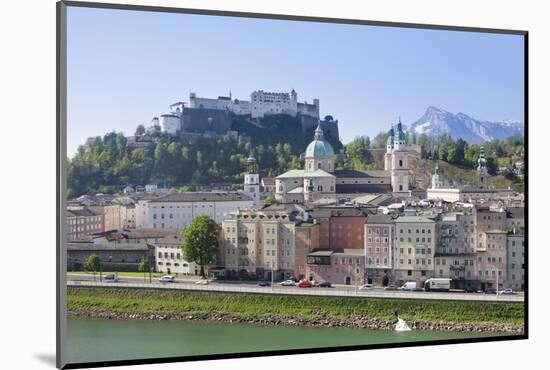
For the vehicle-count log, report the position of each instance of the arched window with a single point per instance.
(400, 163)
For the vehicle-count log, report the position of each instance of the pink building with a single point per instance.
(337, 266)
(379, 242)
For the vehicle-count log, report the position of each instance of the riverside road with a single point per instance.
(251, 287)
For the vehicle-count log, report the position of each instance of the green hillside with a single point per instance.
(422, 169)
(109, 163)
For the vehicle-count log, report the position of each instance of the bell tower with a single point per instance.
(252, 181)
(399, 162)
(482, 169)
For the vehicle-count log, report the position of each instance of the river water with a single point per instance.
(92, 340)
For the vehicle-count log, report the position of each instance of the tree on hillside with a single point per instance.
(140, 130)
(93, 263)
(200, 242)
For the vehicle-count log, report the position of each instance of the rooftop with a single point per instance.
(268, 180)
(302, 173)
(202, 197)
(414, 219)
(107, 247)
(361, 174)
(363, 188)
(379, 219)
(81, 212)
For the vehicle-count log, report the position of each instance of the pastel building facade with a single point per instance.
(338, 266)
(258, 243)
(379, 247)
(516, 261)
(415, 243)
(169, 256)
(177, 211)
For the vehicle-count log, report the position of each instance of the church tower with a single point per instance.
(252, 181)
(482, 169)
(399, 162)
(389, 150)
(437, 178)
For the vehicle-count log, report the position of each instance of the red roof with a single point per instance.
(268, 180)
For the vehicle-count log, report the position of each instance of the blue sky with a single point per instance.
(125, 67)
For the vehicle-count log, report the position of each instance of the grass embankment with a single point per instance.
(144, 301)
(136, 274)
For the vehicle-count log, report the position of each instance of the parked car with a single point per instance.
(112, 277)
(366, 287)
(325, 284)
(305, 284)
(264, 283)
(391, 287)
(507, 291)
(409, 285)
(166, 279)
(288, 283)
(490, 291)
(202, 282)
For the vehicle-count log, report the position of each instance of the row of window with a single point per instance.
(417, 240)
(419, 261)
(83, 220)
(377, 231)
(443, 262)
(377, 249)
(417, 251)
(377, 240)
(73, 229)
(377, 261)
(169, 255)
(418, 231)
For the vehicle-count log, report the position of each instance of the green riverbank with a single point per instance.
(364, 312)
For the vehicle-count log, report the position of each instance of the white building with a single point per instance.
(176, 211)
(261, 103)
(169, 256)
(170, 123)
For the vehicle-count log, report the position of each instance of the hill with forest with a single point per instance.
(107, 164)
(457, 159)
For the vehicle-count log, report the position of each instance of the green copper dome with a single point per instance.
(319, 148)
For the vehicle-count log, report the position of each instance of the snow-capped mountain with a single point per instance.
(437, 121)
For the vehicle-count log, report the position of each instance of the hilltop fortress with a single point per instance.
(261, 103)
(213, 115)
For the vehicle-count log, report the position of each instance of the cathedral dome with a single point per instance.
(319, 148)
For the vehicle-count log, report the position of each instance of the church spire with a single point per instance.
(319, 135)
